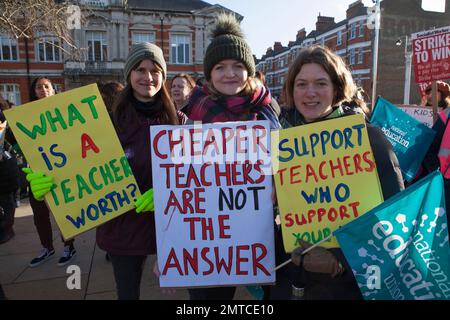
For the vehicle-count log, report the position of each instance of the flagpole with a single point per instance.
(304, 252)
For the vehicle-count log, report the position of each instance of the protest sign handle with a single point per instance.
(304, 252)
(435, 100)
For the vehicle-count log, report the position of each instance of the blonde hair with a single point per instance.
(344, 86)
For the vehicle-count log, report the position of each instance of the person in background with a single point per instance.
(320, 87)
(181, 88)
(42, 88)
(231, 93)
(443, 93)
(9, 183)
(438, 154)
(110, 91)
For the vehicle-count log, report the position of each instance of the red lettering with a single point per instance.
(347, 166)
(87, 144)
(170, 264)
(155, 144)
(192, 221)
(192, 260)
(223, 227)
(311, 214)
(173, 143)
(205, 258)
(369, 161)
(257, 138)
(256, 258)
(310, 172)
(357, 160)
(321, 174)
(221, 263)
(354, 206)
(173, 202)
(295, 174)
(288, 220)
(239, 260)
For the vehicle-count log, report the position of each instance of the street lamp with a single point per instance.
(408, 61)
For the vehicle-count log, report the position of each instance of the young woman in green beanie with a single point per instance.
(131, 237)
(231, 93)
(320, 87)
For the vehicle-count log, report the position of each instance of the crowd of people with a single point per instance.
(318, 87)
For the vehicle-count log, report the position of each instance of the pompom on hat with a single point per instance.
(141, 51)
(228, 43)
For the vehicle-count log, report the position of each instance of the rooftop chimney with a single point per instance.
(301, 34)
(323, 23)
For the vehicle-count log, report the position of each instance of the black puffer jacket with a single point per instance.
(320, 286)
(9, 174)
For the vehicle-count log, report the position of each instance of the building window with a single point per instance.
(139, 37)
(352, 57)
(97, 46)
(339, 38)
(281, 63)
(353, 31)
(10, 92)
(58, 87)
(8, 48)
(361, 29)
(180, 48)
(360, 56)
(48, 49)
(322, 42)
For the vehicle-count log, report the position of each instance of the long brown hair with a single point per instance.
(344, 86)
(124, 114)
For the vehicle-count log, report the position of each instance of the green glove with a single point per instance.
(145, 202)
(40, 183)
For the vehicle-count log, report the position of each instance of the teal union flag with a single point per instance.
(410, 138)
(400, 250)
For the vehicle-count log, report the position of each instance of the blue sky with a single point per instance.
(267, 21)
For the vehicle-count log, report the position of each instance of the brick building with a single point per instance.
(400, 18)
(353, 40)
(350, 38)
(180, 27)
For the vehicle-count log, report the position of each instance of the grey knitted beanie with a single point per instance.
(141, 51)
(228, 43)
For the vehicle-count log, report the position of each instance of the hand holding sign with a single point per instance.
(145, 202)
(40, 183)
(318, 260)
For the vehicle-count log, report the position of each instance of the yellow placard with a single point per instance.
(70, 137)
(325, 176)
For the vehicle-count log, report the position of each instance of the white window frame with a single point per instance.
(339, 38)
(353, 30)
(361, 29)
(11, 95)
(360, 56)
(6, 41)
(97, 36)
(142, 36)
(351, 59)
(51, 43)
(175, 43)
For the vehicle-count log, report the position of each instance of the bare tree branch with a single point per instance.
(35, 19)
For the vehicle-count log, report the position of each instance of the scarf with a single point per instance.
(150, 110)
(202, 107)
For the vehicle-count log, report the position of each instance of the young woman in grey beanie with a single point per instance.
(144, 102)
(231, 93)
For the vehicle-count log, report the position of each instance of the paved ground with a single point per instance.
(48, 281)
